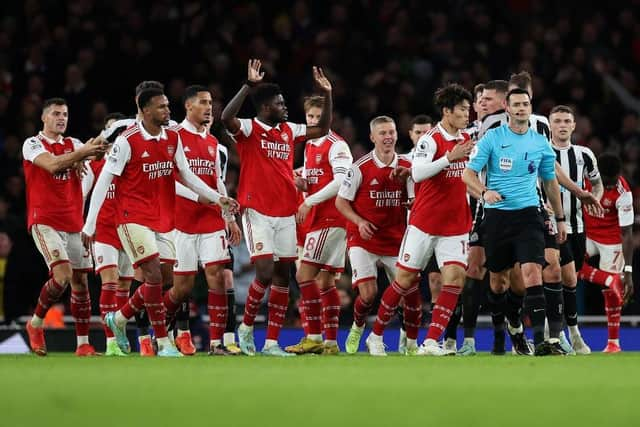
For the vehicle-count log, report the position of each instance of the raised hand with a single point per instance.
(321, 80)
(254, 75)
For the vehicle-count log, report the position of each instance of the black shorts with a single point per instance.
(512, 237)
(229, 265)
(475, 237)
(573, 250)
(432, 265)
(549, 235)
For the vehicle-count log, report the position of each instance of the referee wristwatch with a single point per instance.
(560, 219)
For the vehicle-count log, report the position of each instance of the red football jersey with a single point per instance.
(266, 166)
(321, 159)
(106, 223)
(302, 229)
(378, 199)
(441, 206)
(53, 200)
(145, 166)
(201, 151)
(618, 212)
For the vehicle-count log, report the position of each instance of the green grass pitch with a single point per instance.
(62, 390)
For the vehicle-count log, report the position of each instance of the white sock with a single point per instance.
(430, 341)
(574, 331)
(330, 342)
(246, 327)
(229, 338)
(181, 331)
(82, 339)
(412, 343)
(375, 336)
(269, 343)
(616, 342)
(111, 339)
(315, 337)
(36, 321)
(163, 342)
(214, 343)
(121, 321)
(143, 337)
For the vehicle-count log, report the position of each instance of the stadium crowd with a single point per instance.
(385, 57)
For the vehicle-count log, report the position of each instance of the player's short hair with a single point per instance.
(518, 91)
(192, 91)
(264, 93)
(148, 84)
(563, 109)
(500, 86)
(609, 165)
(113, 116)
(421, 119)
(451, 95)
(314, 101)
(520, 80)
(477, 89)
(147, 95)
(379, 120)
(53, 101)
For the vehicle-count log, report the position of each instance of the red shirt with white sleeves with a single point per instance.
(617, 203)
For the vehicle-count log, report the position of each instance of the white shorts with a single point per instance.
(107, 256)
(326, 249)
(209, 249)
(418, 247)
(269, 236)
(58, 247)
(166, 247)
(611, 257)
(139, 242)
(364, 265)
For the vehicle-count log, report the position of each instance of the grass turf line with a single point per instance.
(62, 390)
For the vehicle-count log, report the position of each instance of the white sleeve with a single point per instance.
(87, 182)
(77, 143)
(624, 204)
(118, 157)
(297, 129)
(340, 160)
(223, 159)
(246, 126)
(190, 179)
(185, 193)
(351, 183)
(423, 167)
(112, 132)
(97, 199)
(411, 188)
(32, 148)
(222, 189)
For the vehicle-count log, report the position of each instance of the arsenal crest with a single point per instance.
(285, 137)
(171, 150)
(318, 158)
(212, 152)
(140, 250)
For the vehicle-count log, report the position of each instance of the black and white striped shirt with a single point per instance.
(579, 163)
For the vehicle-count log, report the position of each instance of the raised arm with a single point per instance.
(326, 118)
(230, 112)
(34, 151)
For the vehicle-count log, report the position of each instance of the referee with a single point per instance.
(515, 156)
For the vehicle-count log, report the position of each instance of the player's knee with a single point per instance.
(124, 285)
(552, 273)
(404, 278)
(215, 277)
(368, 292)
(532, 274)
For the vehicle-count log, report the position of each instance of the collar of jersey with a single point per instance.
(189, 127)
(379, 163)
(266, 126)
(147, 136)
(318, 141)
(60, 139)
(447, 135)
(561, 148)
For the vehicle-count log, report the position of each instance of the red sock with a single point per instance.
(107, 303)
(312, 306)
(612, 308)
(217, 306)
(443, 310)
(81, 310)
(330, 313)
(122, 296)
(412, 312)
(49, 294)
(360, 311)
(278, 302)
(388, 305)
(254, 299)
(594, 275)
(170, 304)
(155, 308)
(135, 304)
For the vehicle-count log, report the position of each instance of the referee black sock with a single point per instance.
(231, 311)
(182, 316)
(554, 304)
(454, 321)
(535, 306)
(496, 303)
(471, 295)
(570, 305)
(142, 320)
(514, 309)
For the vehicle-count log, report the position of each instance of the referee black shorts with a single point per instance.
(550, 234)
(573, 250)
(475, 238)
(513, 236)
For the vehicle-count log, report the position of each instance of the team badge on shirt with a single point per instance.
(211, 151)
(171, 149)
(285, 137)
(318, 158)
